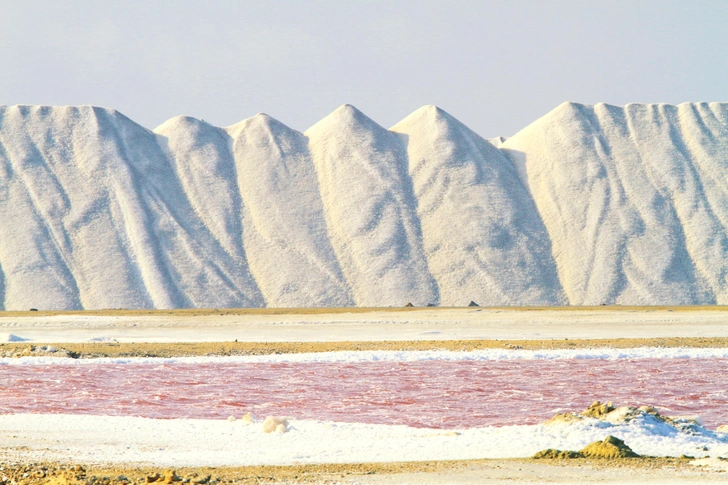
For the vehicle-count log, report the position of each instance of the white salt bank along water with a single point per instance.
(588, 205)
(198, 442)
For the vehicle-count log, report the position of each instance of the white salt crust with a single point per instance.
(193, 442)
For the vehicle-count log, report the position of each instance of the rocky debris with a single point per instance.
(169, 476)
(247, 418)
(598, 410)
(553, 454)
(408, 305)
(275, 424)
(41, 473)
(472, 303)
(15, 351)
(50, 474)
(59, 474)
(689, 420)
(624, 414)
(562, 418)
(610, 448)
(684, 424)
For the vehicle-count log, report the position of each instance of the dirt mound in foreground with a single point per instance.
(611, 448)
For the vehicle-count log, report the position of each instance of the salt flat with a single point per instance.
(375, 325)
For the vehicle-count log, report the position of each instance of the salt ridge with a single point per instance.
(587, 205)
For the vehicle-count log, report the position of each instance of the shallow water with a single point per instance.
(437, 394)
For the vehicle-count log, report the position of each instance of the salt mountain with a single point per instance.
(587, 205)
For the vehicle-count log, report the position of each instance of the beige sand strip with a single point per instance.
(675, 470)
(189, 349)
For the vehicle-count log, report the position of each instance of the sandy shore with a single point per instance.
(362, 325)
(633, 471)
(189, 349)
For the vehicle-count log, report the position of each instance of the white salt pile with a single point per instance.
(588, 205)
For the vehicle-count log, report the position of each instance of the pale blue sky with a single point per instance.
(495, 65)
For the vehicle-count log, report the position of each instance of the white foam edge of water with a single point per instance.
(198, 442)
(397, 356)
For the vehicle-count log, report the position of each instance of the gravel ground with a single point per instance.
(673, 470)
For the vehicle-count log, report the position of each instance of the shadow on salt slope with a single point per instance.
(9, 337)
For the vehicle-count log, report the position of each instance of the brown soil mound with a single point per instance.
(611, 447)
(552, 454)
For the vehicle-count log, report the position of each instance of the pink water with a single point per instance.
(437, 394)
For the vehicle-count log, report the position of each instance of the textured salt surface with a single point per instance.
(634, 199)
(481, 232)
(392, 388)
(588, 205)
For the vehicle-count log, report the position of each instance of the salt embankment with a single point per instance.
(188, 442)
